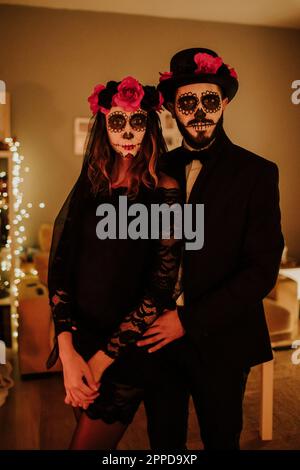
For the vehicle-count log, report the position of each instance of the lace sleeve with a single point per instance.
(59, 291)
(64, 244)
(160, 291)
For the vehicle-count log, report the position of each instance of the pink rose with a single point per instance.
(158, 107)
(206, 63)
(165, 76)
(93, 99)
(232, 71)
(130, 94)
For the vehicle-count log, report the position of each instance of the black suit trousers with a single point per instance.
(217, 390)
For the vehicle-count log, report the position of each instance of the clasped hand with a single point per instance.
(82, 379)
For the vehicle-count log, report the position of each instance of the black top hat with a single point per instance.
(197, 65)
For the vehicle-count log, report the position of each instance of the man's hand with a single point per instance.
(165, 329)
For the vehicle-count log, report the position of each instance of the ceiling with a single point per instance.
(278, 13)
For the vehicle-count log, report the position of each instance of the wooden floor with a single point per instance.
(35, 417)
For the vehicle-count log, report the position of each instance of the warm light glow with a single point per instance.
(17, 215)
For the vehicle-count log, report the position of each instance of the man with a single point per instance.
(221, 312)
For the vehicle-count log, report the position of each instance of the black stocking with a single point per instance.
(77, 413)
(95, 434)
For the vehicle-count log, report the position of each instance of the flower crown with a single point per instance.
(205, 64)
(129, 94)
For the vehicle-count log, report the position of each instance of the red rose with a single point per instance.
(130, 94)
(93, 99)
(232, 72)
(206, 63)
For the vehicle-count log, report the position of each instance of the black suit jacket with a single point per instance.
(225, 282)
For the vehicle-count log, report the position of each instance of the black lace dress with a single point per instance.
(116, 289)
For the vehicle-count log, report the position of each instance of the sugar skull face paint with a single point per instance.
(126, 130)
(187, 103)
(198, 109)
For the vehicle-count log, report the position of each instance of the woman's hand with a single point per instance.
(99, 363)
(77, 392)
(75, 369)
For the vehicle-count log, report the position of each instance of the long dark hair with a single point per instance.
(101, 156)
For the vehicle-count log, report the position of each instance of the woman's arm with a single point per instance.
(75, 368)
(59, 292)
(78, 393)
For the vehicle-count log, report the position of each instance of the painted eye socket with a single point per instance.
(211, 102)
(187, 103)
(138, 122)
(116, 122)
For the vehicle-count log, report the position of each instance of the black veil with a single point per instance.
(66, 229)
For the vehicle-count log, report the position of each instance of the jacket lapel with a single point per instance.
(216, 157)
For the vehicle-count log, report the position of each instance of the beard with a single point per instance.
(201, 141)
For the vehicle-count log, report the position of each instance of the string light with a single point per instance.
(16, 238)
(12, 260)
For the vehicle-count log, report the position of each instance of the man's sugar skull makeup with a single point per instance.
(126, 130)
(125, 105)
(196, 92)
(198, 109)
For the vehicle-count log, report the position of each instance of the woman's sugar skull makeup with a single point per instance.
(126, 130)
(198, 108)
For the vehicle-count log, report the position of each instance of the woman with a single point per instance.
(106, 291)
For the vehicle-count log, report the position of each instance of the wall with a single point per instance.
(51, 59)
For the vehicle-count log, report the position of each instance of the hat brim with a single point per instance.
(168, 87)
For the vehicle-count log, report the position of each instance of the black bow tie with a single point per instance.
(189, 155)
